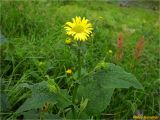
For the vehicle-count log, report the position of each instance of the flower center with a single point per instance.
(78, 28)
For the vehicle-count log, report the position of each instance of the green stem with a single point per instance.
(79, 59)
(79, 75)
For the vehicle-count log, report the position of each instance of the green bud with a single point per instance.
(101, 65)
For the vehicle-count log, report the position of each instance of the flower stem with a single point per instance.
(79, 75)
(79, 59)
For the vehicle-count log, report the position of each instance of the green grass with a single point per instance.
(35, 33)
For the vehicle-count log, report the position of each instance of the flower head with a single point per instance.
(68, 41)
(69, 71)
(80, 29)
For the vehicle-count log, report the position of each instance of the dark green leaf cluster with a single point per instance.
(99, 86)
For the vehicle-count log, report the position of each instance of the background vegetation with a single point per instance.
(34, 47)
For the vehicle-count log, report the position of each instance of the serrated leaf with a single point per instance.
(37, 101)
(98, 97)
(39, 87)
(115, 77)
(99, 86)
(41, 94)
(36, 88)
(63, 99)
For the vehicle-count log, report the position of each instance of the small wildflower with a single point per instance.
(68, 41)
(69, 71)
(110, 51)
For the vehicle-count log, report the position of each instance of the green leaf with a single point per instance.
(37, 101)
(63, 99)
(114, 76)
(4, 104)
(41, 94)
(98, 97)
(34, 114)
(99, 86)
(31, 114)
(49, 116)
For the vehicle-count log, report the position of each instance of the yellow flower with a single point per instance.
(80, 29)
(68, 41)
(69, 71)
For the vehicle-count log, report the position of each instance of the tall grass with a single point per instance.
(35, 48)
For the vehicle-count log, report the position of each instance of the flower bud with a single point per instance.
(68, 41)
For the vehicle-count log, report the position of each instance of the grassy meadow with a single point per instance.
(33, 50)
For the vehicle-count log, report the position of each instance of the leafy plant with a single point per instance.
(88, 93)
